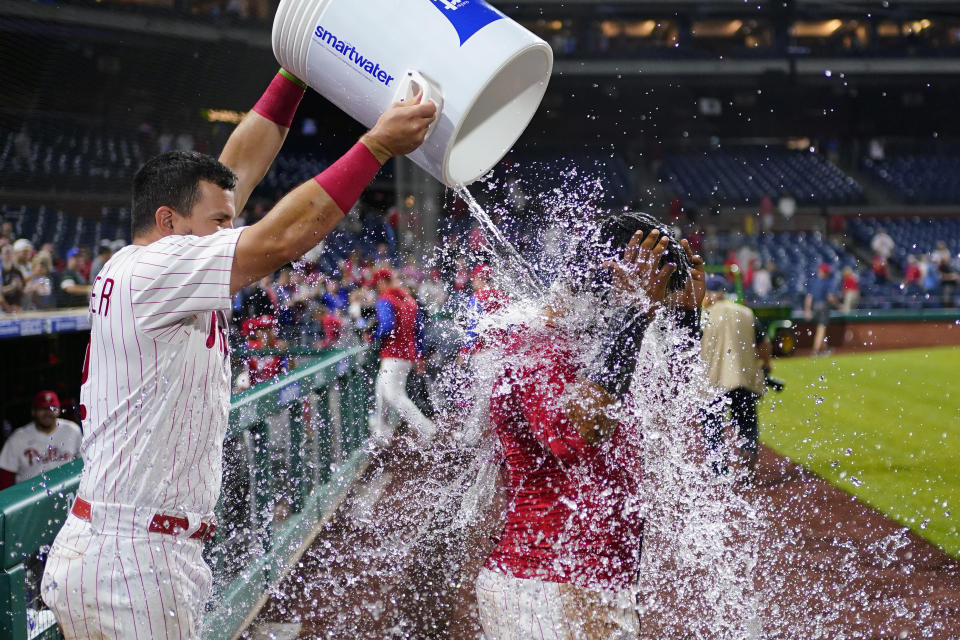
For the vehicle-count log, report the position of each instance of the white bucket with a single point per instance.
(486, 73)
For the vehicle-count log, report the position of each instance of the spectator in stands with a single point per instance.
(777, 278)
(816, 306)
(737, 354)
(12, 281)
(787, 206)
(41, 445)
(74, 290)
(22, 256)
(881, 270)
(931, 278)
(360, 310)
(762, 282)
(261, 334)
(912, 275)
(412, 272)
(104, 253)
(257, 299)
(850, 284)
(6, 233)
(948, 281)
(432, 292)
(39, 291)
(941, 253)
(882, 244)
(335, 295)
(331, 323)
(400, 333)
(766, 214)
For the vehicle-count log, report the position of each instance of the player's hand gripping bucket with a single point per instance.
(486, 73)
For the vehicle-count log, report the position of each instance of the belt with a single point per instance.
(159, 524)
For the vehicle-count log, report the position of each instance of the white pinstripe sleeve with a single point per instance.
(182, 276)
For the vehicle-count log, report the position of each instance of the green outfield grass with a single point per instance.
(883, 426)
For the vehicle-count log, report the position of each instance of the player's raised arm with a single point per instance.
(308, 213)
(255, 142)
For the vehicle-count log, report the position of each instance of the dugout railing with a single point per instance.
(294, 447)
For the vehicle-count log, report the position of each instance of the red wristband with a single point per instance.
(280, 101)
(346, 178)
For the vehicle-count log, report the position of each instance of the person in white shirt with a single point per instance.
(155, 394)
(41, 445)
(882, 244)
(762, 282)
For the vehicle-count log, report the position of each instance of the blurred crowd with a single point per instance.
(39, 279)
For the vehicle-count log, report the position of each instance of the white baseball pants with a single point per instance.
(112, 579)
(391, 393)
(523, 609)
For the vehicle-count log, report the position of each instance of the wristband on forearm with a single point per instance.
(346, 178)
(280, 101)
(614, 366)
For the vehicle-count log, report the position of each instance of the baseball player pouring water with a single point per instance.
(156, 380)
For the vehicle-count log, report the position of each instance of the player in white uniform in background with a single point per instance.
(41, 445)
(156, 381)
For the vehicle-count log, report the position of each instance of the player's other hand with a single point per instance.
(401, 129)
(639, 274)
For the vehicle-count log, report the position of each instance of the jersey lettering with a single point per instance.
(105, 290)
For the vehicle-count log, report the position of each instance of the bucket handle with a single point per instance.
(413, 82)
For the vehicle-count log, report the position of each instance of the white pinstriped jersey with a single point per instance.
(156, 382)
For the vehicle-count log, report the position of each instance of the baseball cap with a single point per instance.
(825, 268)
(382, 274)
(46, 400)
(22, 244)
(717, 283)
(73, 252)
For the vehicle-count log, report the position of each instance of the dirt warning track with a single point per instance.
(829, 567)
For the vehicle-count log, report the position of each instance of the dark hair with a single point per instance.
(611, 236)
(172, 179)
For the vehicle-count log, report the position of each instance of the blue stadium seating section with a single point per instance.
(63, 158)
(44, 224)
(919, 179)
(738, 178)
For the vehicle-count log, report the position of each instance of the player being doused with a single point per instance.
(567, 560)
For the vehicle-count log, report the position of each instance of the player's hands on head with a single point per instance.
(639, 274)
(401, 129)
(695, 286)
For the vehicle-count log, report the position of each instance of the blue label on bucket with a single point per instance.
(467, 16)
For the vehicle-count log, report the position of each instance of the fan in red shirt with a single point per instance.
(260, 335)
(568, 555)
